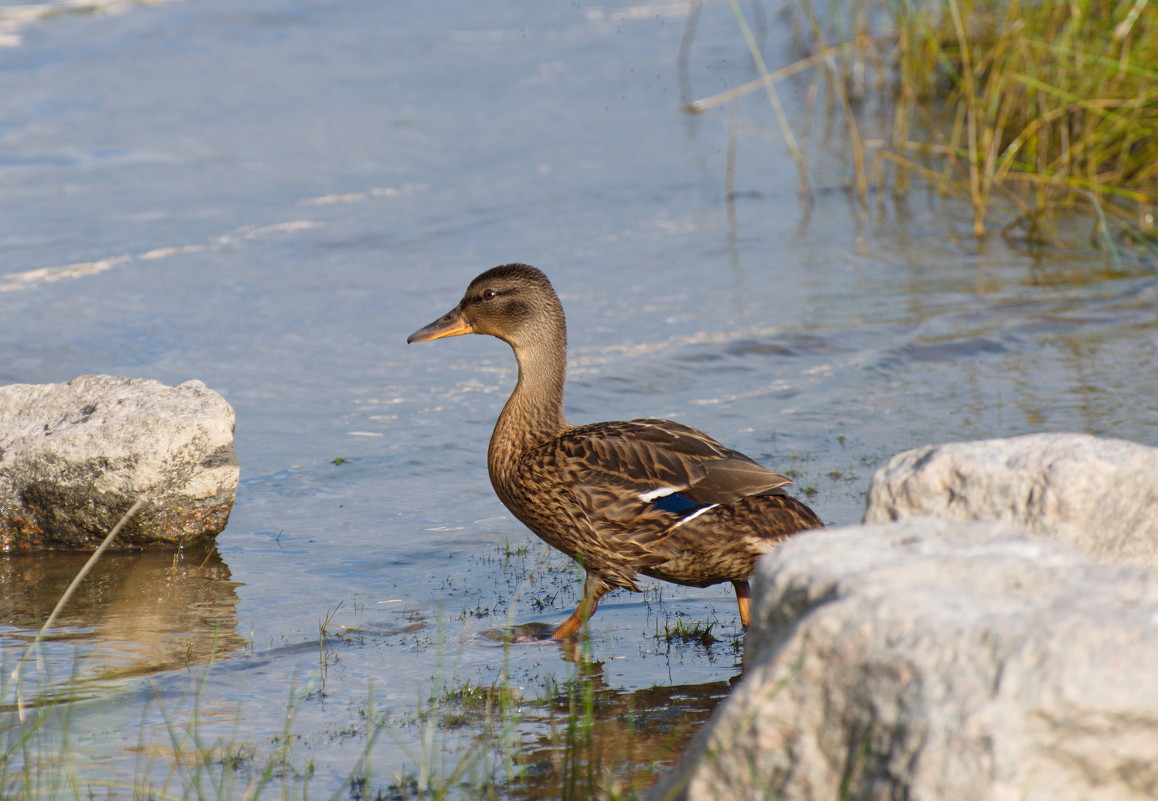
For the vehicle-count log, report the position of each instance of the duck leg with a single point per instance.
(593, 590)
(744, 601)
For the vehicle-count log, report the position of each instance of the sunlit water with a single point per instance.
(270, 196)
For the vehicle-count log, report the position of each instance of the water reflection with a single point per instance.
(603, 740)
(135, 614)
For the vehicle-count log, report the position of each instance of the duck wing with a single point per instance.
(652, 460)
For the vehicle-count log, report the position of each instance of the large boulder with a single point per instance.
(934, 659)
(1100, 495)
(74, 457)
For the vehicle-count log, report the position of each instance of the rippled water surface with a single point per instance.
(269, 196)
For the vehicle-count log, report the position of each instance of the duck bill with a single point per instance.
(450, 324)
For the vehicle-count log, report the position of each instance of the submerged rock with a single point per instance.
(934, 659)
(74, 457)
(1100, 495)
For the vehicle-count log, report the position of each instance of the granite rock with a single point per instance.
(74, 457)
(936, 659)
(1097, 494)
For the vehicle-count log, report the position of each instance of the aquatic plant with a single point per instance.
(1022, 109)
(679, 628)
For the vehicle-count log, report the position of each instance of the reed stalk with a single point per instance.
(34, 646)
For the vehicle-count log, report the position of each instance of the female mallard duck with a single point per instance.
(641, 496)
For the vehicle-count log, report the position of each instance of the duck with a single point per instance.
(639, 497)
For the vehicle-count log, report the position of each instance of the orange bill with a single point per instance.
(450, 324)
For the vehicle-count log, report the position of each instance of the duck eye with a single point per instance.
(489, 294)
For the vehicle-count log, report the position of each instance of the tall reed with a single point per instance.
(1021, 108)
(1038, 106)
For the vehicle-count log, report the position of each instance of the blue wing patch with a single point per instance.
(676, 503)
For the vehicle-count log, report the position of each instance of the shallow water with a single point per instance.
(270, 198)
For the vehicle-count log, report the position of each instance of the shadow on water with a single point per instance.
(136, 614)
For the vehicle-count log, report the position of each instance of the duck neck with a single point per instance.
(534, 412)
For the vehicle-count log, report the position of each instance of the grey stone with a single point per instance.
(1100, 495)
(74, 457)
(933, 659)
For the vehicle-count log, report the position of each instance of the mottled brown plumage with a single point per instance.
(647, 497)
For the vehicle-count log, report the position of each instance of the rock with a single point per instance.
(75, 456)
(1100, 495)
(934, 659)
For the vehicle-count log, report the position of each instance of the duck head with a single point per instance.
(514, 302)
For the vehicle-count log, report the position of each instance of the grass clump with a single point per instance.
(1022, 109)
(681, 629)
(1039, 105)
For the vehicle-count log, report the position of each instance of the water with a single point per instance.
(269, 198)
